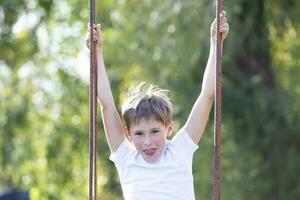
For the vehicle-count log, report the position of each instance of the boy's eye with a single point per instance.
(155, 131)
(138, 133)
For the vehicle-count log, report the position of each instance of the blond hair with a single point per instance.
(145, 102)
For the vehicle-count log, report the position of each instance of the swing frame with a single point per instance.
(93, 137)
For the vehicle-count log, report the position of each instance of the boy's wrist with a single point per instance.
(214, 40)
(99, 55)
(99, 51)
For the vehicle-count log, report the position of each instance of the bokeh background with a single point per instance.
(44, 91)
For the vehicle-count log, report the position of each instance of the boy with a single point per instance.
(150, 166)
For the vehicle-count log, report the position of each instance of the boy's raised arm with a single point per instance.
(111, 118)
(199, 115)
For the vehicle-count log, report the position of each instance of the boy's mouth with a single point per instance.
(150, 152)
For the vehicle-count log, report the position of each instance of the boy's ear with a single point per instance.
(127, 133)
(170, 128)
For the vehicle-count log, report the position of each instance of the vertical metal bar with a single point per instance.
(91, 144)
(217, 106)
(93, 110)
(95, 140)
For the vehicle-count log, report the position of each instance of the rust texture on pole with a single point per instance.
(217, 106)
(93, 110)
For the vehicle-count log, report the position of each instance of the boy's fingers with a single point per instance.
(223, 21)
(87, 43)
(214, 23)
(223, 15)
(94, 26)
(224, 28)
(98, 28)
(96, 35)
(225, 25)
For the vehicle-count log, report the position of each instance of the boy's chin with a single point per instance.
(150, 160)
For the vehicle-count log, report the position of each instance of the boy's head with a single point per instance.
(148, 119)
(147, 102)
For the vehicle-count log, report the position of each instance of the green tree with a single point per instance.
(44, 97)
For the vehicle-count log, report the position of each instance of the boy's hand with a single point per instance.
(97, 36)
(224, 27)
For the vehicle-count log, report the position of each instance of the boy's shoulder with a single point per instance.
(183, 140)
(125, 150)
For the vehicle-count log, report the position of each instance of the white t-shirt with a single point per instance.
(168, 178)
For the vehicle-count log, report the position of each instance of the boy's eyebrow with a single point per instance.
(138, 130)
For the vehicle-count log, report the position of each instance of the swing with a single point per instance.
(93, 147)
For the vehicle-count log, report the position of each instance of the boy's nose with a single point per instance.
(147, 141)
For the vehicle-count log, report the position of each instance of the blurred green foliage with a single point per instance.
(44, 91)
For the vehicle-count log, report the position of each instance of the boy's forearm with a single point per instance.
(103, 89)
(208, 83)
(201, 109)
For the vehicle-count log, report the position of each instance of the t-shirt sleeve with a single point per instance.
(183, 140)
(119, 156)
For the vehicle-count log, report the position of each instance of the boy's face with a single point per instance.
(149, 137)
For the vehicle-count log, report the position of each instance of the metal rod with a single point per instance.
(217, 106)
(93, 110)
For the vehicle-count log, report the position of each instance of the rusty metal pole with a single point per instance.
(217, 106)
(93, 147)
